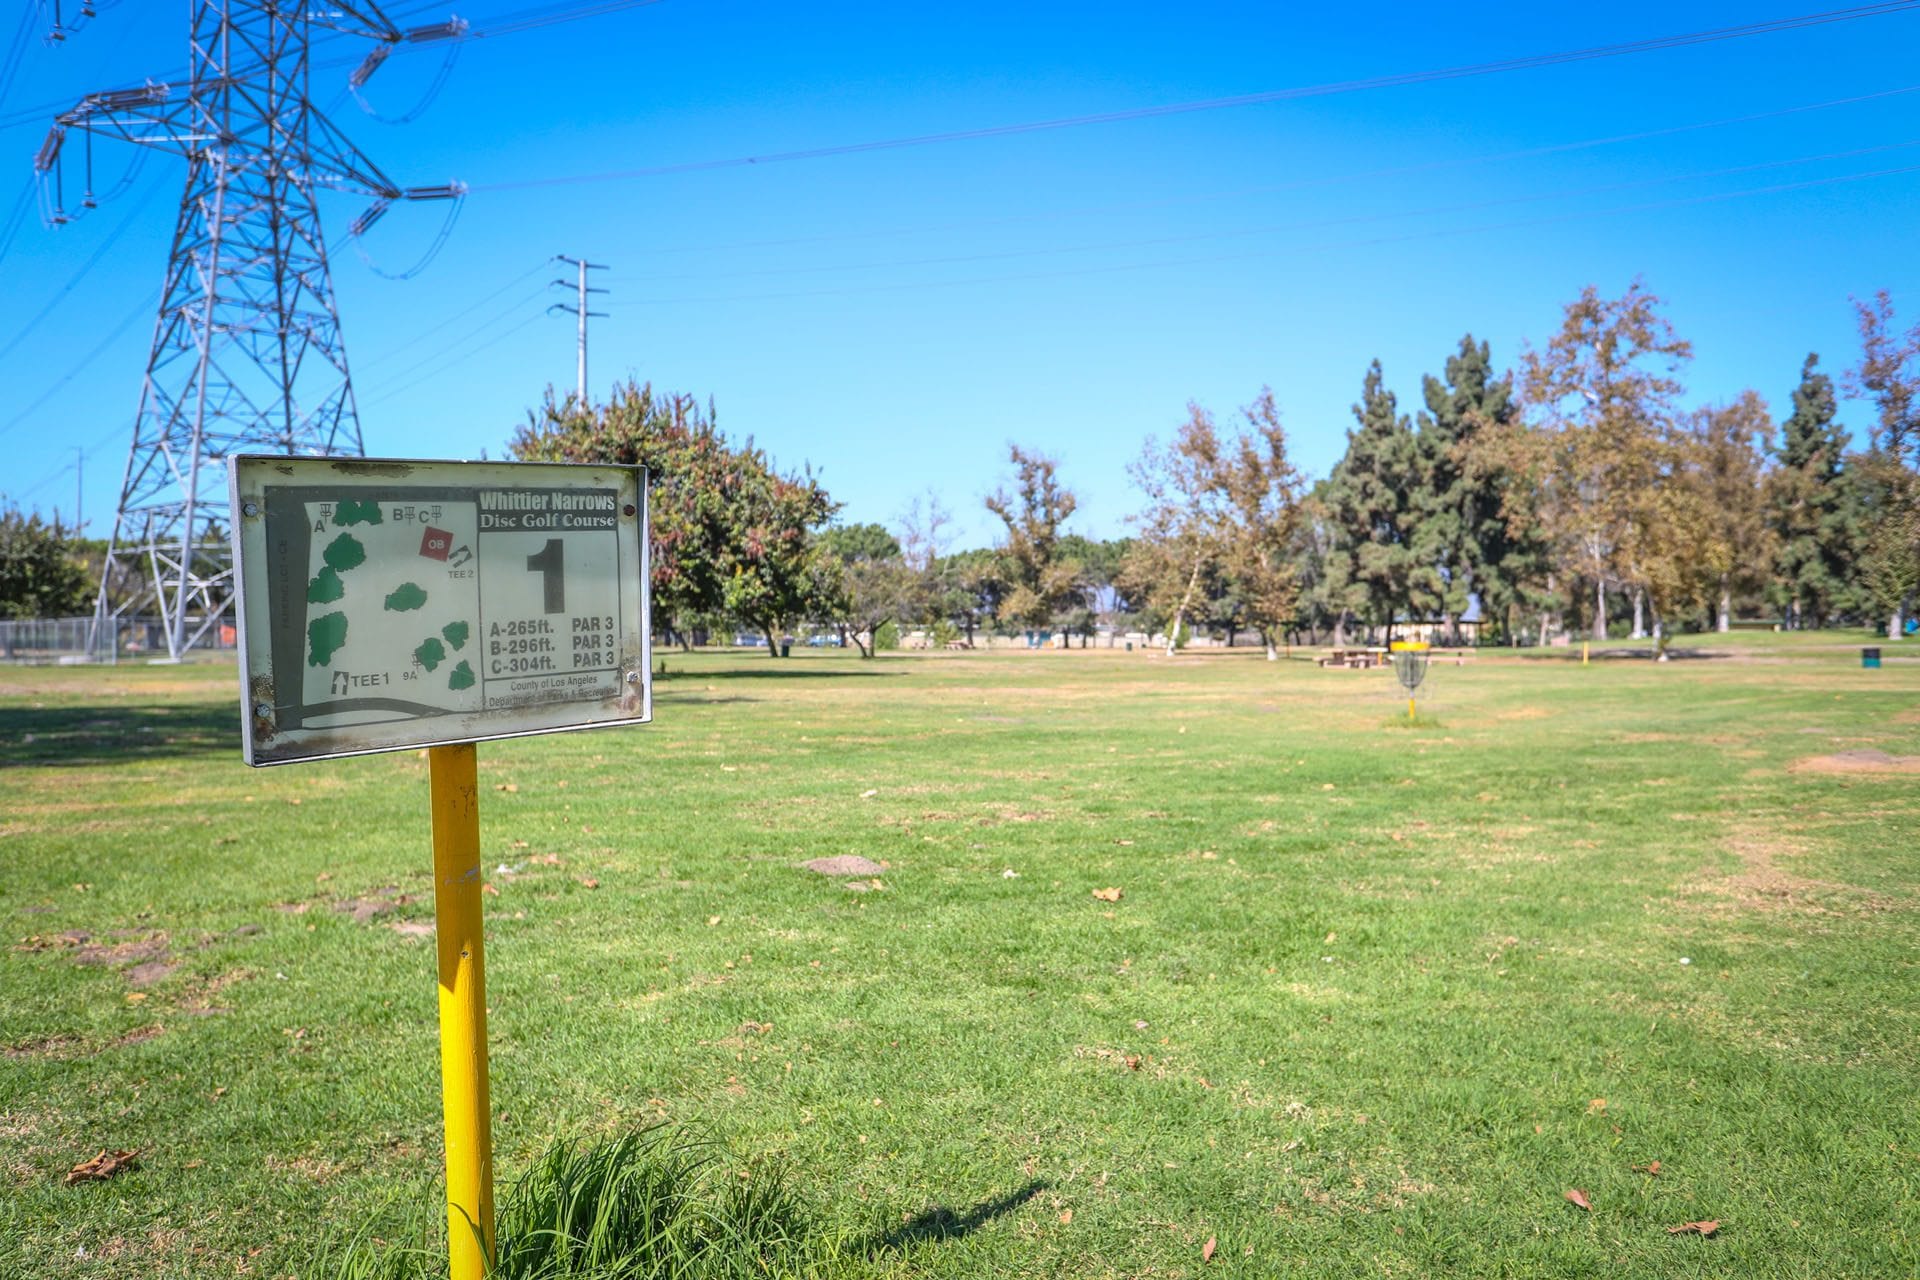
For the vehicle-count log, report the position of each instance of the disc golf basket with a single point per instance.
(1410, 665)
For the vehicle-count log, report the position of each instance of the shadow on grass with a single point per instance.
(941, 1223)
(97, 733)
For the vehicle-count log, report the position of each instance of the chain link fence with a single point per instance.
(69, 641)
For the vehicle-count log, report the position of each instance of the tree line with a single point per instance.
(1569, 494)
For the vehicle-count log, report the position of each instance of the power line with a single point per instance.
(10, 65)
(1364, 175)
(1391, 81)
(457, 316)
(455, 363)
(512, 308)
(1529, 197)
(142, 308)
(101, 251)
(511, 23)
(1111, 268)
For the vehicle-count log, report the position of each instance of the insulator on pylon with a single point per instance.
(121, 99)
(49, 152)
(451, 29)
(446, 191)
(364, 72)
(372, 215)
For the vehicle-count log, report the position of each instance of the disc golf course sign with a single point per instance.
(385, 605)
(403, 604)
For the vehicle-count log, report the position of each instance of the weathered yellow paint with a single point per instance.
(463, 1008)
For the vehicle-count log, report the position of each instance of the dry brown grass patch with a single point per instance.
(1760, 883)
(1862, 760)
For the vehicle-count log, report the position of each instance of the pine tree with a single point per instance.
(1473, 527)
(1373, 503)
(1808, 508)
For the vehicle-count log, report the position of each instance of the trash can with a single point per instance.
(1870, 658)
(786, 646)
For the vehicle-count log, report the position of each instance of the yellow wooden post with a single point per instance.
(463, 1008)
(1583, 653)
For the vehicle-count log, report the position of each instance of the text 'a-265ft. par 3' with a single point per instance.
(390, 604)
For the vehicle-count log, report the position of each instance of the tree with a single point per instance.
(877, 585)
(1673, 539)
(1479, 524)
(1602, 394)
(1889, 375)
(1262, 497)
(966, 589)
(1039, 582)
(695, 484)
(1373, 502)
(1183, 531)
(776, 572)
(42, 574)
(1729, 446)
(1097, 581)
(1808, 507)
(1889, 568)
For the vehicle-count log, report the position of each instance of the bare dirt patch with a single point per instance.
(1760, 882)
(55, 1046)
(367, 907)
(1859, 760)
(845, 864)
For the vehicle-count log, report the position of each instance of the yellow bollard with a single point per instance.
(1583, 653)
(455, 792)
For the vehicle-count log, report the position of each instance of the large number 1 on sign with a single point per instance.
(548, 563)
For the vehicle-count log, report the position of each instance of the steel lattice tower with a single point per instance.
(247, 353)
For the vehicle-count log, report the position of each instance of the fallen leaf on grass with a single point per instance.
(1652, 1169)
(1596, 1106)
(588, 882)
(542, 859)
(1206, 1250)
(1133, 1062)
(491, 889)
(1578, 1199)
(1066, 1216)
(104, 1166)
(1705, 1228)
(870, 793)
(508, 787)
(712, 921)
(1108, 895)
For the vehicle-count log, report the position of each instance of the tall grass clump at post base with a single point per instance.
(655, 1204)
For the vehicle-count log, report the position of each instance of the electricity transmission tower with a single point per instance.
(580, 310)
(247, 354)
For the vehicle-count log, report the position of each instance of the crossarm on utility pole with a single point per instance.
(143, 115)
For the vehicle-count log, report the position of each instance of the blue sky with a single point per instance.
(895, 317)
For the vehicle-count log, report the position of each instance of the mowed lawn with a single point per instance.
(1373, 999)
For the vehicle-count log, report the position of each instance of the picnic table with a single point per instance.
(1355, 659)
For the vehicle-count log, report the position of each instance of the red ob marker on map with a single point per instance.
(435, 544)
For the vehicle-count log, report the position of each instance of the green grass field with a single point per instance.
(1374, 997)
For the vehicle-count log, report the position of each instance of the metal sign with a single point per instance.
(386, 604)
